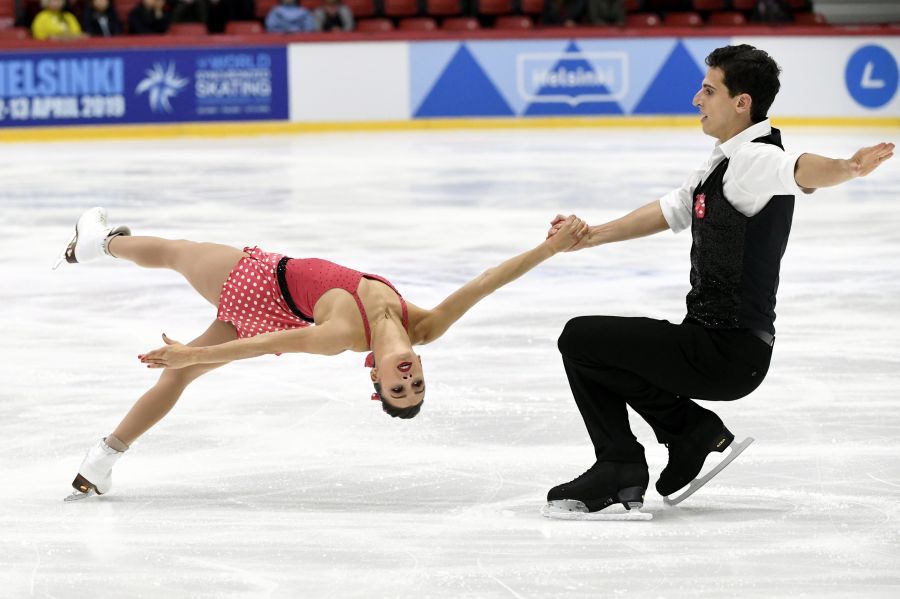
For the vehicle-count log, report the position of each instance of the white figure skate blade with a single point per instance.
(735, 450)
(78, 495)
(570, 509)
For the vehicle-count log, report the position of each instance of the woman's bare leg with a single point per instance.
(204, 265)
(156, 403)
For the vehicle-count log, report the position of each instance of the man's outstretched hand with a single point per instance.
(868, 159)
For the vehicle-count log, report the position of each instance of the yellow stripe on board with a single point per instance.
(163, 131)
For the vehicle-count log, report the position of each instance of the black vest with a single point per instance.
(735, 259)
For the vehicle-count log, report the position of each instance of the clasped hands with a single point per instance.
(568, 233)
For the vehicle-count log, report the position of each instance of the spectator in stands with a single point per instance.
(563, 12)
(288, 17)
(334, 15)
(212, 13)
(606, 12)
(148, 17)
(101, 20)
(771, 11)
(55, 23)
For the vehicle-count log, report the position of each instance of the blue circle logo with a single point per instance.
(871, 76)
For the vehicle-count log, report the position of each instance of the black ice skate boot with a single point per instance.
(608, 491)
(687, 456)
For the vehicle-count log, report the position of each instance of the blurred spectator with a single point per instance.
(334, 15)
(287, 17)
(190, 11)
(772, 11)
(563, 12)
(100, 20)
(148, 17)
(54, 23)
(606, 12)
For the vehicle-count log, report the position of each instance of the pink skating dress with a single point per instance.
(268, 292)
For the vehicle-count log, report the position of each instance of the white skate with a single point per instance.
(95, 473)
(92, 234)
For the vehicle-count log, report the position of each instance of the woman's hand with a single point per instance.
(566, 233)
(172, 355)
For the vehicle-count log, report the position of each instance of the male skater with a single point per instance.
(739, 207)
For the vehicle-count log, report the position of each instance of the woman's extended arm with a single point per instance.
(439, 319)
(328, 339)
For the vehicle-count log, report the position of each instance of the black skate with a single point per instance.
(608, 491)
(686, 459)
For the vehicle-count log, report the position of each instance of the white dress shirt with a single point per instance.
(756, 172)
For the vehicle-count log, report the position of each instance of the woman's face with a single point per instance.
(55, 4)
(401, 377)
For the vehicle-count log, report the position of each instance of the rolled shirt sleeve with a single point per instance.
(756, 173)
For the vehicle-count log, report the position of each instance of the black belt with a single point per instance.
(765, 337)
(285, 292)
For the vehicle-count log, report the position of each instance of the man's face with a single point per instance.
(721, 115)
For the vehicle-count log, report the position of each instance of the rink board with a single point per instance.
(852, 78)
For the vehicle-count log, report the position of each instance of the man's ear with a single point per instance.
(373, 374)
(744, 102)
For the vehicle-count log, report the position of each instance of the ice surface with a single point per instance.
(276, 477)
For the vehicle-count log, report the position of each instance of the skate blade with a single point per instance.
(570, 509)
(64, 255)
(735, 450)
(78, 495)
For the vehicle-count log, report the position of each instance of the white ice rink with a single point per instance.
(277, 477)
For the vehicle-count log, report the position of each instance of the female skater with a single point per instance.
(266, 303)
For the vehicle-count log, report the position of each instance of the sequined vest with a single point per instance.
(735, 259)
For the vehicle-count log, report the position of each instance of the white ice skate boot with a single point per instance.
(95, 473)
(92, 235)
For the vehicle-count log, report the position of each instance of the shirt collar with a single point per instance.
(760, 129)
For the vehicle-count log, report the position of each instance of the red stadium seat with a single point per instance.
(727, 19)
(632, 6)
(683, 19)
(374, 25)
(244, 27)
(443, 8)
(709, 5)
(401, 8)
(311, 4)
(494, 7)
(7, 23)
(16, 33)
(533, 7)
(642, 19)
(747, 5)
(361, 8)
(187, 29)
(809, 18)
(513, 22)
(417, 24)
(460, 24)
(262, 7)
(798, 5)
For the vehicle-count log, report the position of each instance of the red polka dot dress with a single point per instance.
(268, 292)
(251, 299)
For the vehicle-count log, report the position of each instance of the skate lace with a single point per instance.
(584, 474)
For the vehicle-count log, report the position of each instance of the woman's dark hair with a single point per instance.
(393, 410)
(748, 70)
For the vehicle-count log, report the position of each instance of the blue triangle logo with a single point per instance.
(584, 81)
(463, 90)
(674, 86)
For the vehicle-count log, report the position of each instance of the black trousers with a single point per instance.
(655, 367)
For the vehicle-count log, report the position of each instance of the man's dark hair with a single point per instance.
(748, 70)
(395, 412)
